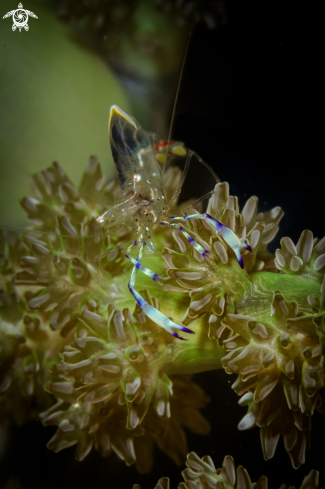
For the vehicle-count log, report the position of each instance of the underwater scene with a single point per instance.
(162, 246)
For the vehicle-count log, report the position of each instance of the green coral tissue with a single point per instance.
(76, 353)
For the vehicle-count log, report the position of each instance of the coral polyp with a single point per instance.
(307, 258)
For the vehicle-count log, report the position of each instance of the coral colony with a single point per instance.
(107, 366)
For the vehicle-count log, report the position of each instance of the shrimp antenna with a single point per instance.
(187, 164)
(179, 86)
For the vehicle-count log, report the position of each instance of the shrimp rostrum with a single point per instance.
(141, 204)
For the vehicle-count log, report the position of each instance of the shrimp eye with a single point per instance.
(100, 219)
(136, 177)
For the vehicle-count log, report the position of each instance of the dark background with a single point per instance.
(250, 105)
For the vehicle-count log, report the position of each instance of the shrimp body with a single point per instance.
(140, 200)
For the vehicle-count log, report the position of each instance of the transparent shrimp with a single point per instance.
(64, 219)
(141, 204)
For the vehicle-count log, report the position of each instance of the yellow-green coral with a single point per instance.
(122, 383)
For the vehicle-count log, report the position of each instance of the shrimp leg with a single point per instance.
(146, 271)
(227, 234)
(189, 238)
(150, 311)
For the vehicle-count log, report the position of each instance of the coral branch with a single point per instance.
(119, 381)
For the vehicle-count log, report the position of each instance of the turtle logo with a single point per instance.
(20, 18)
